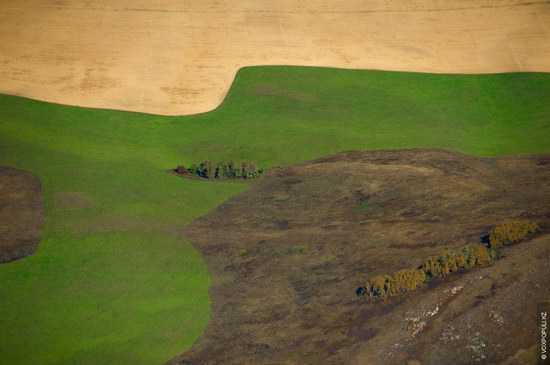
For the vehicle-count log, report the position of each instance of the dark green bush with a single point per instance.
(219, 171)
(193, 170)
(232, 170)
(207, 170)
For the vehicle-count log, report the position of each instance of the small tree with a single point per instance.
(193, 170)
(249, 170)
(481, 255)
(219, 171)
(206, 170)
(231, 169)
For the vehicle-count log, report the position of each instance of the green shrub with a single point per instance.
(249, 170)
(303, 249)
(241, 251)
(280, 197)
(511, 232)
(207, 170)
(219, 171)
(366, 207)
(231, 170)
(193, 170)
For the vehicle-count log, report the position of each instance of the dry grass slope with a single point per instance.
(290, 298)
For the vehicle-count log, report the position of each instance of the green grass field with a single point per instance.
(115, 283)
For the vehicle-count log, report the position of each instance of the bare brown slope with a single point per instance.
(21, 213)
(180, 57)
(286, 257)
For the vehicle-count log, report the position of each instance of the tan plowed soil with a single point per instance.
(21, 213)
(180, 57)
(287, 255)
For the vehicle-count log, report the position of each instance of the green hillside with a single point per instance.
(113, 282)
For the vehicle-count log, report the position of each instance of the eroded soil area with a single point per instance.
(21, 213)
(287, 255)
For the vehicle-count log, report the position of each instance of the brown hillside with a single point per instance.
(287, 255)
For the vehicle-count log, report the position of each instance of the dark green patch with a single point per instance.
(366, 207)
(302, 249)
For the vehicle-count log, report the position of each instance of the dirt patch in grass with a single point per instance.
(312, 233)
(21, 213)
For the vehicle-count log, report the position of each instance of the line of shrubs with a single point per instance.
(221, 170)
(451, 261)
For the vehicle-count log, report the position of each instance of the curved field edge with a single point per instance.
(113, 281)
(107, 59)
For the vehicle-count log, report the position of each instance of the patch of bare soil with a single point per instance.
(21, 213)
(287, 255)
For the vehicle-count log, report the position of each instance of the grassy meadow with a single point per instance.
(114, 282)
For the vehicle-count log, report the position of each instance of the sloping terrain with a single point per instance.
(113, 282)
(21, 213)
(287, 255)
(180, 57)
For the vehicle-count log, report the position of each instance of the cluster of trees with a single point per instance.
(511, 232)
(435, 267)
(402, 281)
(220, 170)
(450, 261)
